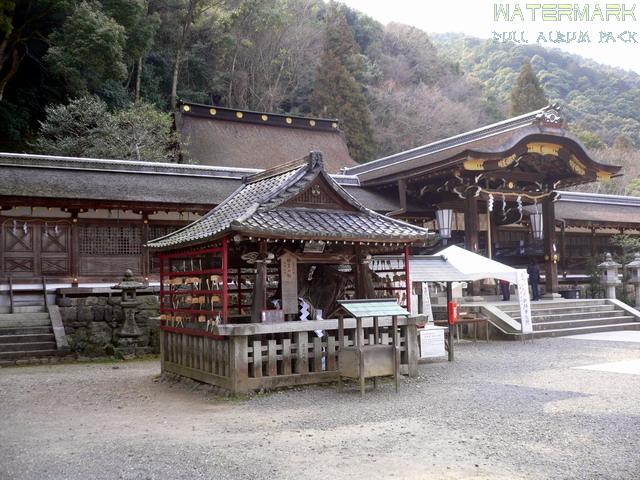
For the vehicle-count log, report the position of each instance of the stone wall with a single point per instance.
(92, 323)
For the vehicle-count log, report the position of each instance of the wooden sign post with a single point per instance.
(289, 281)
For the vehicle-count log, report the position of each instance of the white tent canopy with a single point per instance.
(455, 264)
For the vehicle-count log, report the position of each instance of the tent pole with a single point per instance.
(489, 246)
(449, 299)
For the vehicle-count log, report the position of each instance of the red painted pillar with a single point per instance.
(162, 308)
(407, 274)
(225, 275)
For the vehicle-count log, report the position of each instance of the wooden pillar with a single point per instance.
(260, 285)
(563, 248)
(146, 264)
(239, 364)
(359, 287)
(450, 325)
(551, 253)
(74, 257)
(413, 349)
(363, 283)
(594, 252)
(471, 235)
(471, 224)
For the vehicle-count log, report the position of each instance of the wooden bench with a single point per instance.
(464, 319)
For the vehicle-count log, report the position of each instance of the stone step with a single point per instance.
(573, 316)
(582, 323)
(539, 304)
(39, 330)
(27, 337)
(28, 346)
(28, 309)
(24, 319)
(19, 355)
(563, 332)
(565, 310)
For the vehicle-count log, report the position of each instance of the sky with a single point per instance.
(477, 18)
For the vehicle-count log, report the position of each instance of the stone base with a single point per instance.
(551, 296)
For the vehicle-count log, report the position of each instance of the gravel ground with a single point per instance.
(502, 410)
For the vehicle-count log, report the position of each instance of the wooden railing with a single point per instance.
(245, 357)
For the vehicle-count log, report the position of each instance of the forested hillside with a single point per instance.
(601, 103)
(389, 86)
(597, 98)
(101, 77)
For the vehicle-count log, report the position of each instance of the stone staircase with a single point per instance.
(26, 333)
(571, 317)
(29, 328)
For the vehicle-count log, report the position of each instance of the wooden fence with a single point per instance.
(241, 358)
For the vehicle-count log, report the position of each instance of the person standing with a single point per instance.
(534, 279)
(505, 290)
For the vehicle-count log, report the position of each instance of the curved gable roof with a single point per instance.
(261, 208)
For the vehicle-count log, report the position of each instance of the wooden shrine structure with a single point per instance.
(498, 171)
(288, 242)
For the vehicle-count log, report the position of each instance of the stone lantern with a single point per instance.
(129, 333)
(609, 275)
(634, 276)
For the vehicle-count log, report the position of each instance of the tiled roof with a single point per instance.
(257, 209)
(494, 139)
(173, 185)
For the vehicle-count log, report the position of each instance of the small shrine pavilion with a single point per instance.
(287, 245)
(295, 212)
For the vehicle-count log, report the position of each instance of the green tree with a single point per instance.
(527, 95)
(88, 50)
(590, 140)
(69, 130)
(336, 92)
(86, 128)
(22, 25)
(139, 133)
(140, 27)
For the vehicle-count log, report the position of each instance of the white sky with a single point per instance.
(476, 18)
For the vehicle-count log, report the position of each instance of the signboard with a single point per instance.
(289, 283)
(432, 342)
(313, 246)
(522, 282)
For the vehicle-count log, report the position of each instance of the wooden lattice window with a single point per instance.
(106, 240)
(157, 231)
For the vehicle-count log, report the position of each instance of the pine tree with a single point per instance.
(527, 95)
(338, 94)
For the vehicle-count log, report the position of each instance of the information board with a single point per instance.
(432, 342)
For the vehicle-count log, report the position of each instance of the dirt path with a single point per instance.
(502, 410)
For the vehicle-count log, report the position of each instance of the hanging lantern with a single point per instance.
(536, 225)
(444, 218)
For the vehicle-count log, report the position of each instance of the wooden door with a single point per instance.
(35, 249)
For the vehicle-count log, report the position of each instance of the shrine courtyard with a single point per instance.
(503, 410)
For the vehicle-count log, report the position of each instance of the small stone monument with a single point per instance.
(609, 275)
(129, 333)
(634, 276)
